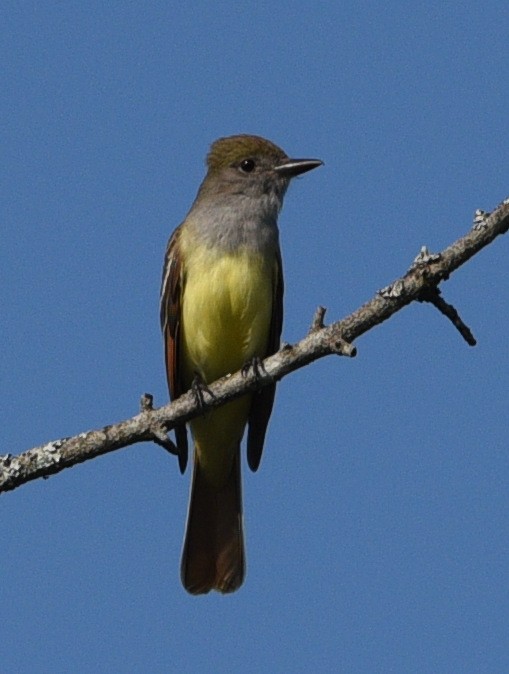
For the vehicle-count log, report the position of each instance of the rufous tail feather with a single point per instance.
(213, 554)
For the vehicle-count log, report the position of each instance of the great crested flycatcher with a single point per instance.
(221, 309)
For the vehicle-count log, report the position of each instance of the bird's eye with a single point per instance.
(247, 165)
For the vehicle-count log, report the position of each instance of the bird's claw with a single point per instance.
(199, 388)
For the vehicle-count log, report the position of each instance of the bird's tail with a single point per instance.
(213, 554)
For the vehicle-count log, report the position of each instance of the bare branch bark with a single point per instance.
(420, 283)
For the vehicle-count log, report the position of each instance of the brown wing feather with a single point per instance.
(263, 401)
(171, 292)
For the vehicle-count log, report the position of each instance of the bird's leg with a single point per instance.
(255, 364)
(199, 388)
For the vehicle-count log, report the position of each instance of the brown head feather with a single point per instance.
(227, 151)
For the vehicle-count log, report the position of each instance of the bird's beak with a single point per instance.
(294, 167)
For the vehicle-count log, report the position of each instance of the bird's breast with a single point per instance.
(226, 309)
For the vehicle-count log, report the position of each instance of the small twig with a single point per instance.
(432, 295)
(146, 402)
(158, 432)
(318, 323)
(338, 346)
(160, 437)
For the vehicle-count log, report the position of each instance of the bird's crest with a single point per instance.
(227, 151)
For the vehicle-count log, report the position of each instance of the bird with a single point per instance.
(222, 311)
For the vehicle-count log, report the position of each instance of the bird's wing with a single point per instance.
(171, 293)
(263, 400)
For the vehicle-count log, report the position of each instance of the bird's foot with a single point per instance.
(256, 366)
(199, 388)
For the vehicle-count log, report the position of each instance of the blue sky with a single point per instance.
(377, 526)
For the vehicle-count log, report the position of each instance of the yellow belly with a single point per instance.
(226, 314)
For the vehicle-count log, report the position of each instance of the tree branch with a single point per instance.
(420, 283)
